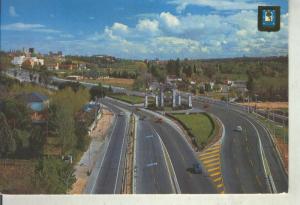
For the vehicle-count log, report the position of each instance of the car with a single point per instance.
(197, 168)
(206, 105)
(239, 128)
(158, 120)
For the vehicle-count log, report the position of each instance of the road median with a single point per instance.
(128, 176)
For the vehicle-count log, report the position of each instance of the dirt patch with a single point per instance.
(284, 152)
(88, 160)
(16, 176)
(268, 105)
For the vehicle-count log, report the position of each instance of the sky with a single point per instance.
(142, 29)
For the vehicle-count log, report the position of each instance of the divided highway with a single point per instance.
(152, 174)
(242, 166)
(181, 154)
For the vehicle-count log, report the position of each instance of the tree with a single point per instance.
(53, 176)
(36, 141)
(17, 114)
(8, 143)
(62, 125)
(97, 92)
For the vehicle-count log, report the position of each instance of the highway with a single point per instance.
(109, 178)
(152, 175)
(181, 154)
(242, 167)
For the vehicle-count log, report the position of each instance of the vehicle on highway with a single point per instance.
(158, 120)
(239, 128)
(197, 169)
(206, 105)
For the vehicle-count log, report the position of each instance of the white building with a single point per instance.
(18, 60)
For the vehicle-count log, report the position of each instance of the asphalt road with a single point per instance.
(152, 175)
(109, 179)
(182, 156)
(242, 167)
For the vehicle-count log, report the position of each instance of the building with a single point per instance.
(38, 104)
(19, 60)
(53, 66)
(239, 86)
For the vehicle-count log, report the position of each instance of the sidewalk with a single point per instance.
(88, 159)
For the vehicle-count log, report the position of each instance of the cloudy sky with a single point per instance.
(142, 28)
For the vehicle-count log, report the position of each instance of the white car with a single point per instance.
(239, 128)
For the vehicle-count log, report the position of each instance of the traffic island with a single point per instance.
(200, 127)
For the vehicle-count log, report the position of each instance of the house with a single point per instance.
(173, 78)
(38, 104)
(239, 86)
(154, 86)
(53, 66)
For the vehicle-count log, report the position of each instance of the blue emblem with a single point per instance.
(268, 18)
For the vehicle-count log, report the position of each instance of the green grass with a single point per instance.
(128, 98)
(199, 125)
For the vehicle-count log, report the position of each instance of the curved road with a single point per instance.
(242, 167)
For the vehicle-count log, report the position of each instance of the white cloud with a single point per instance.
(119, 27)
(92, 18)
(148, 25)
(169, 20)
(28, 27)
(215, 4)
(21, 26)
(12, 11)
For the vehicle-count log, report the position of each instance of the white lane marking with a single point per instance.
(149, 136)
(126, 131)
(115, 123)
(166, 151)
(152, 164)
(269, 176)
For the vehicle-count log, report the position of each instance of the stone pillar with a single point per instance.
(173, 98)
(178, 100)
(190, 101)
(161, 99)
(146, 101)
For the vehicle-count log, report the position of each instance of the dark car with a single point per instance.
(197, 168)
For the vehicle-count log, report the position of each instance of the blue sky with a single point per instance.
(142, 28)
